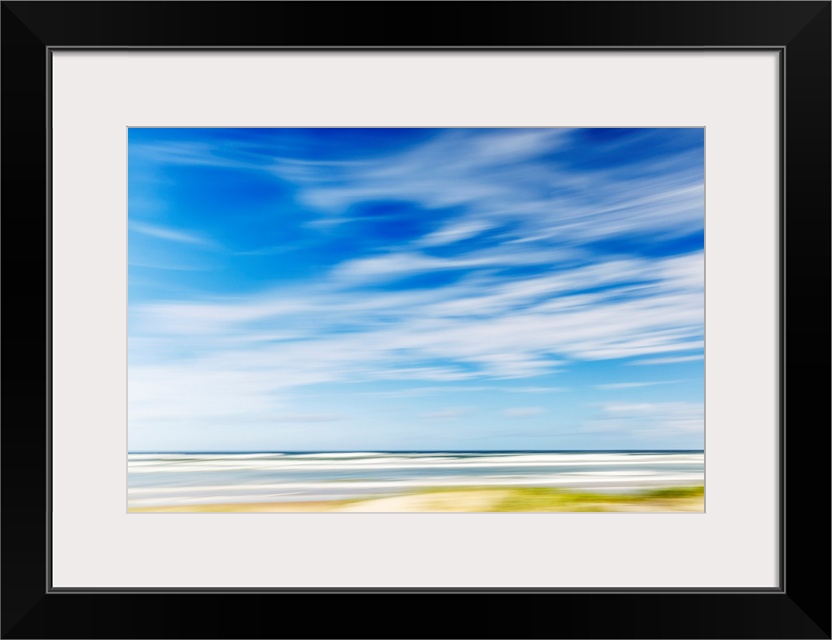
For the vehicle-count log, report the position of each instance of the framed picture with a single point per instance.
(443, 297)
(490, 305)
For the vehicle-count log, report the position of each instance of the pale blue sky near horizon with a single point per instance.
(415, 289)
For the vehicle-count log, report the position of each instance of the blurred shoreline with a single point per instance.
(410, 481)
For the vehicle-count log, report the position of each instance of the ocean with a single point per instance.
(185, 479)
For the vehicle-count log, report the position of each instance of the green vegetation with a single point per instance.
(676, 492)
(531, 499)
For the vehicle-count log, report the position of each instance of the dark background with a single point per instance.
(799, 609)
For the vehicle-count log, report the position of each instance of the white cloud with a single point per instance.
(635, 385)
(499, 177)
(670, 360)
(168, 233)
(426, 391)
(651, 420)
(305, 417)
(394, 265)
(444, 414)
(165, 266)
(481, 329)
(523, 412)
(454, 232)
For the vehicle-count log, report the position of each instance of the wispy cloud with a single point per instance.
(523, 412)
(550, 200)
(635, 385)
(455, 232)
(444, 414)
(302, 418)
(396, 264)
(521, 331)
(673, 360)
(168, 233)
(650, 419)
(455, 262)
(456, 389)
(168, 267)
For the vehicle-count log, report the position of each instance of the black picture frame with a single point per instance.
(798, 608)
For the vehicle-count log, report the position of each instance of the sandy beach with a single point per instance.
(473, 500)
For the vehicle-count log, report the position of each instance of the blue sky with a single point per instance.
(415, 289)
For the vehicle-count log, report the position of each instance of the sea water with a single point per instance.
(169, 479)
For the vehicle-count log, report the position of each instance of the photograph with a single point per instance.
(416, 320)
(268, 266)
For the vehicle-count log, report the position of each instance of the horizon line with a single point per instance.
(434, 451)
